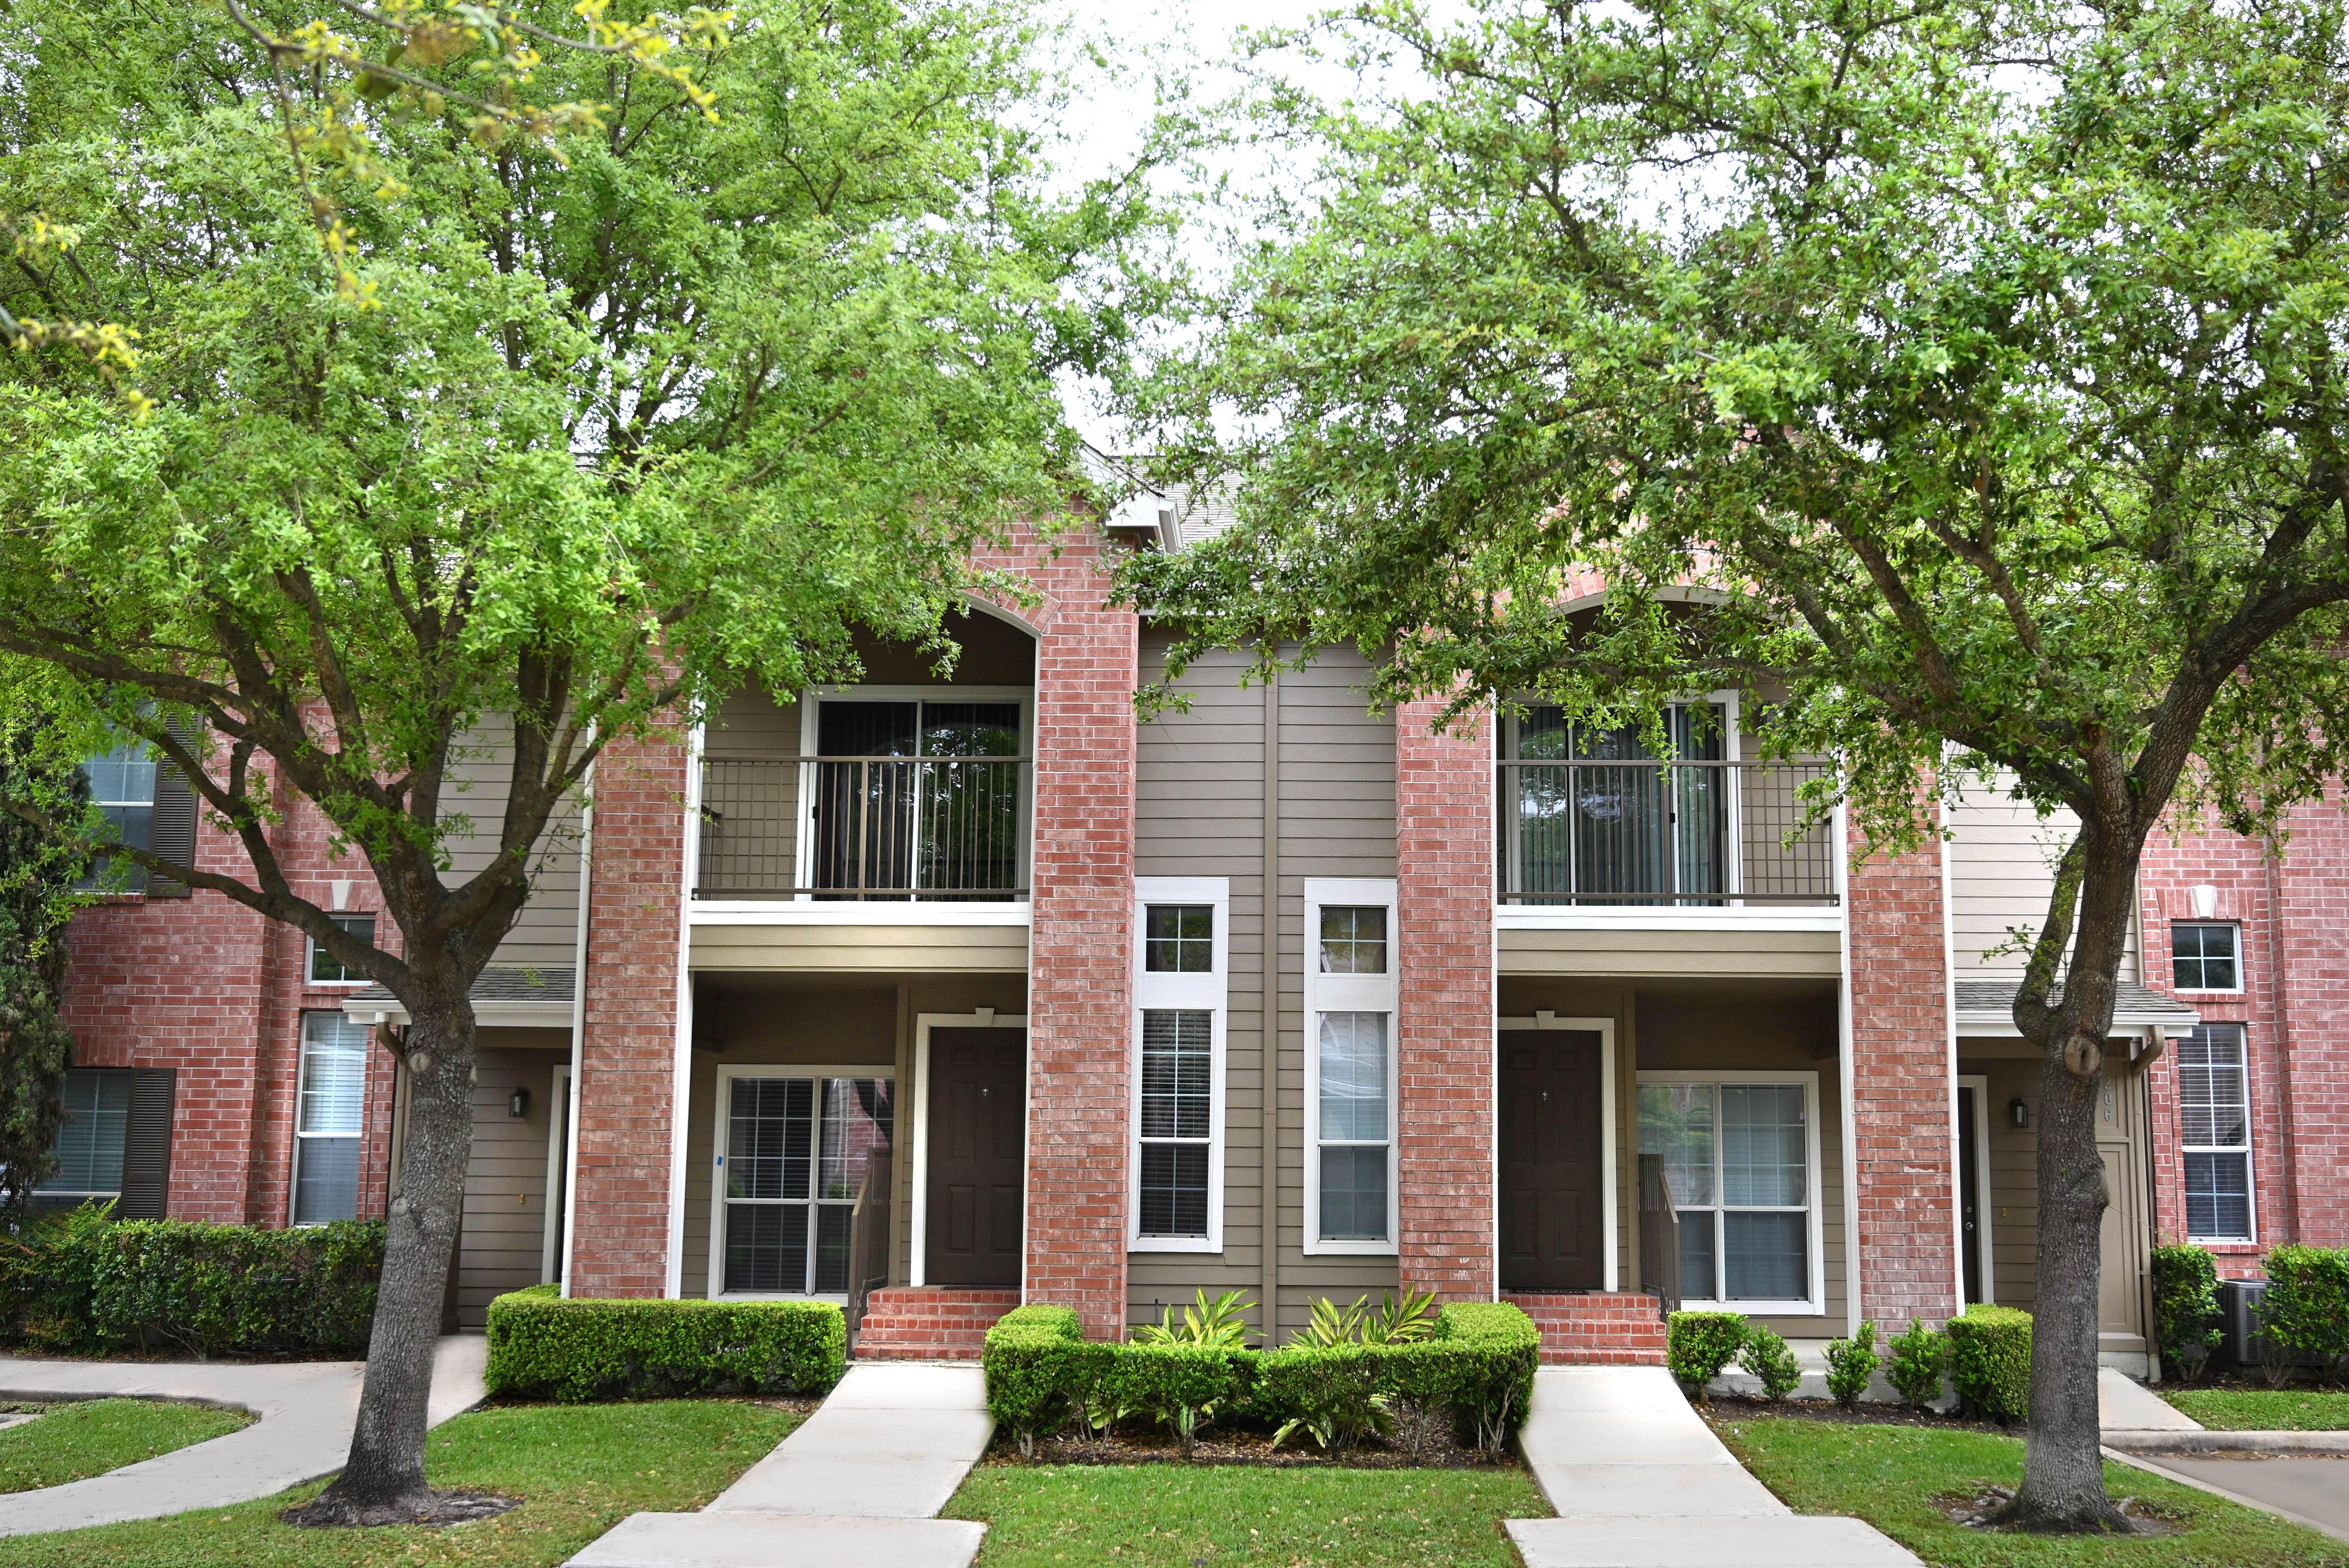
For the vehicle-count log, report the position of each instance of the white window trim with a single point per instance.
(310, 954)
(721, 1098)
(301, 1085)
(2251, 1168)
(2236, 988)
(923, 1024)
(1816, 1304)
(803, 866)
(1209, 992)
(1351, 993)
(1610, 1217)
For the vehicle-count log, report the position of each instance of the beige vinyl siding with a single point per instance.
(786, 1023)
(1634, 952)
(503, 1245)
(547, 930)
(1199, 811)
(1199, 800)
(2002, 860)
(872, 950)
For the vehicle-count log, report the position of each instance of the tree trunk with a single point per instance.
(2064, 1469)
(383, 1479)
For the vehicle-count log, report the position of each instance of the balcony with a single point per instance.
(845, 829)
(1628, 834)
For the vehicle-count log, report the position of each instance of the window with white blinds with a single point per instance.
(330, 1118)
(2214, 1108)
(90, 1144)
(1741, 1159)
(1351, 997)
(1180, 988)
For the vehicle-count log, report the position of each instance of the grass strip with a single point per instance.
(2263, 1409)
(1177, 1515)
(71, 1442)
(1890, 1476)
(578, 1468)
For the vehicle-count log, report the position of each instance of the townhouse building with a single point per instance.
(938, 992)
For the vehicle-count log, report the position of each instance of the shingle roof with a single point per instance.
(540, 983)
(2132, 1004)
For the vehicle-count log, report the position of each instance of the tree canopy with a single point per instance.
(39, 872)
(1965, 379)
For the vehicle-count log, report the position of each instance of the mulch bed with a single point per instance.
(1728, 1407)
(1974, 1509)
(1240, 1443)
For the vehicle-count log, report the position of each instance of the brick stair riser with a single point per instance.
(911, 1325)
(1616, 1330)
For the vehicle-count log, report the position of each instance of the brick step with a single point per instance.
(907, 1324)
(1600, 1328)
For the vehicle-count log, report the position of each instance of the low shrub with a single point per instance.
(2305, 1312)
(1698, 1345)
(2185, 1316)
(1039, 1371)
(1851, 1365)
(1768, 1356)
(1990, 1361)
(1918, 1359)
(83, 1281)
(1333, 1393)
(543, 1347)
(1494, 1386)
(1180, 1386)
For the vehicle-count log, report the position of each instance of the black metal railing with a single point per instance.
(866, 828)
(1689, 833)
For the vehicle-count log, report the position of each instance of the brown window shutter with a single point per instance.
(147, 1146)
(173, 834)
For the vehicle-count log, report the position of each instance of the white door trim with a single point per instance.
(1609, 1227)
(916, 1272)
(556, 1217)
(1979, 1133)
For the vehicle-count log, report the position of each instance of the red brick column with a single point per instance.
(628, 1067)
(1444, 864)
(1900, 1114)
(1080, 959)
(2308, 1081)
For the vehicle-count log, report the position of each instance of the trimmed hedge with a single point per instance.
(82, 1281)
(1990, 1360)
(1917, 1364)
(1697, 1345)
(2305, 1312)
(1479, 1366)
(543, 1347)
(2186, 1318)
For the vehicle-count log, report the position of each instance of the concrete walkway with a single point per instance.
(306, 1410)
(856, 1485)
(2283, 1473)
(1639, 1481)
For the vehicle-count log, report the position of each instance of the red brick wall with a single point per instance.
(2302, 1109)
(1901, 1094)
(628, 1067)
(1080, 987)
(1444, 861)
(2239, 868)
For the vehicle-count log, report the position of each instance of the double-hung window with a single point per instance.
(795, 1152)
(2207, 957)
(90, 1144)
(1181, 987)
(326, 969)
(1351, 997)
(330, 1118)
(122, 786)
(2214, 1104)
(1740, 1157)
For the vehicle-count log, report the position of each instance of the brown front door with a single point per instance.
(978, 1143)
(1551, 1180)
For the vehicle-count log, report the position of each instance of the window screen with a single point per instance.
(1177, 1120)
(2214, 1107)
(330, 1118)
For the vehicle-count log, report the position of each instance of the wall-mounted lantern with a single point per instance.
(518, 1103)
(2018, 1113)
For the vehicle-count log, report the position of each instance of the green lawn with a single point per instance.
(1178, 1516)
(578, 1468)
(70, 1441)
(2263, 1409)
(1889, 1475)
